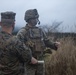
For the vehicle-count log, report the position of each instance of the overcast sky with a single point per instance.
(49, 11)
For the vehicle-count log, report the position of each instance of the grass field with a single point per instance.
(62, 61)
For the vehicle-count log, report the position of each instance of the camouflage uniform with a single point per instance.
(13, 53)
(36, 39)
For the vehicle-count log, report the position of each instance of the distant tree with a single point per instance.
(52, 28)
(55, 25)
(75, 27)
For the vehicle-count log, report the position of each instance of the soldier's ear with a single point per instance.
(13, 25)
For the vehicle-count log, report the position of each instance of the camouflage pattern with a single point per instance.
(13, 55)
(31, 13)
(7, 18)
(36, 39)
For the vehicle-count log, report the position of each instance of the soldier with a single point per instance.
(35, 38)
(13, 53)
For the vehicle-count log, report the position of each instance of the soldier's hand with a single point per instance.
(34, 61)
(57, 44)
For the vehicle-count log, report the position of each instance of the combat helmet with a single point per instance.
(31, 13)
(8, 17)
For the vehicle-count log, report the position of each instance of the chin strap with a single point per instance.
(38, 22)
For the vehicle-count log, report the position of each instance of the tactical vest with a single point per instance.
(35, 40)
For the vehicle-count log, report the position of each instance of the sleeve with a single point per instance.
(24, 53)
(49, 43)
(21, 35)
(21, 51)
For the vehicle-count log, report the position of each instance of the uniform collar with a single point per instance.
(5, 32)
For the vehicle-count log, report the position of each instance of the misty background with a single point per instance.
(51, 12)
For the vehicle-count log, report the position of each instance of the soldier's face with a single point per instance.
(33, 21)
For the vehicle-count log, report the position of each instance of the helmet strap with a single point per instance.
(38, 22)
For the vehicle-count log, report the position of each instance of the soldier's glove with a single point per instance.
(47, 50)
